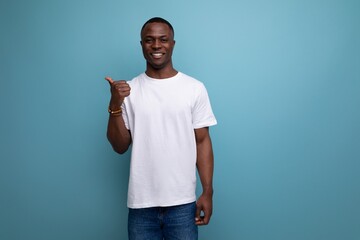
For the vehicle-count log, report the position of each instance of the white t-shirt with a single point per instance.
(161, 115)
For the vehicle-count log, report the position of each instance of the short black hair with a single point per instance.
(158, 20)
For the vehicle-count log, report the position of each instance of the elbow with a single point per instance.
(117, 146)
(120, 150)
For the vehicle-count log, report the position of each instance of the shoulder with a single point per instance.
(136, 80)
(193, 82)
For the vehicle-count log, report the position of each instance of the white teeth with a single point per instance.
(157, 54)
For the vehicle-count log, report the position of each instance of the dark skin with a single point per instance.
(157, 41)
(205, 166)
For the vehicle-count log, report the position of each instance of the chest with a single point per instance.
(162, 101)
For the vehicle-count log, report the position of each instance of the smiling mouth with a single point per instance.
(157, 55)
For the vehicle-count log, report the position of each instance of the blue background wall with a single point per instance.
(284, 80)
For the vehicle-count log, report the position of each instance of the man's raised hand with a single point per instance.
(119, 90)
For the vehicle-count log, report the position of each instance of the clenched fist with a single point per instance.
(119, 90)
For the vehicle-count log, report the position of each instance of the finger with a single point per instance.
(206, 218)
(122, 87)
(109, 79)
(197, 214)
(200, 217)
(120, 83)
(200, 221)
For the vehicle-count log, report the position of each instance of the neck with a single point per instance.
(161, 73)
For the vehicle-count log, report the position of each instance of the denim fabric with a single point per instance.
(163, 223)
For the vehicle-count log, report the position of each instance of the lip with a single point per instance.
(157, 55)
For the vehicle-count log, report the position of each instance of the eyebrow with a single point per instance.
(159, 37)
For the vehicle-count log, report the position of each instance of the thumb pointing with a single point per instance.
(110, 80)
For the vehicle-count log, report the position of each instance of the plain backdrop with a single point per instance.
(284, 81)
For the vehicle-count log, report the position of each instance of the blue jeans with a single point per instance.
(158, 223)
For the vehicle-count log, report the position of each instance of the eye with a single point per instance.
(148, 40)
(164, 40)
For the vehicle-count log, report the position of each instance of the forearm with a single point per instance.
(117, 134)
(205, 164)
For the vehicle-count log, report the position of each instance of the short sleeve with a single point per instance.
(202, 114)
(125, 116)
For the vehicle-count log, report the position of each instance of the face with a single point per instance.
(157, 43)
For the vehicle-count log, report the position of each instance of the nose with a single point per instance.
(156, 44)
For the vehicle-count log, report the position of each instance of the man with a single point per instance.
(165, 115)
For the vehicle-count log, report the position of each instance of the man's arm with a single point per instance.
(117, 133)
(205, 166)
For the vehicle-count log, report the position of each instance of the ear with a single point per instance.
(141, 43)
